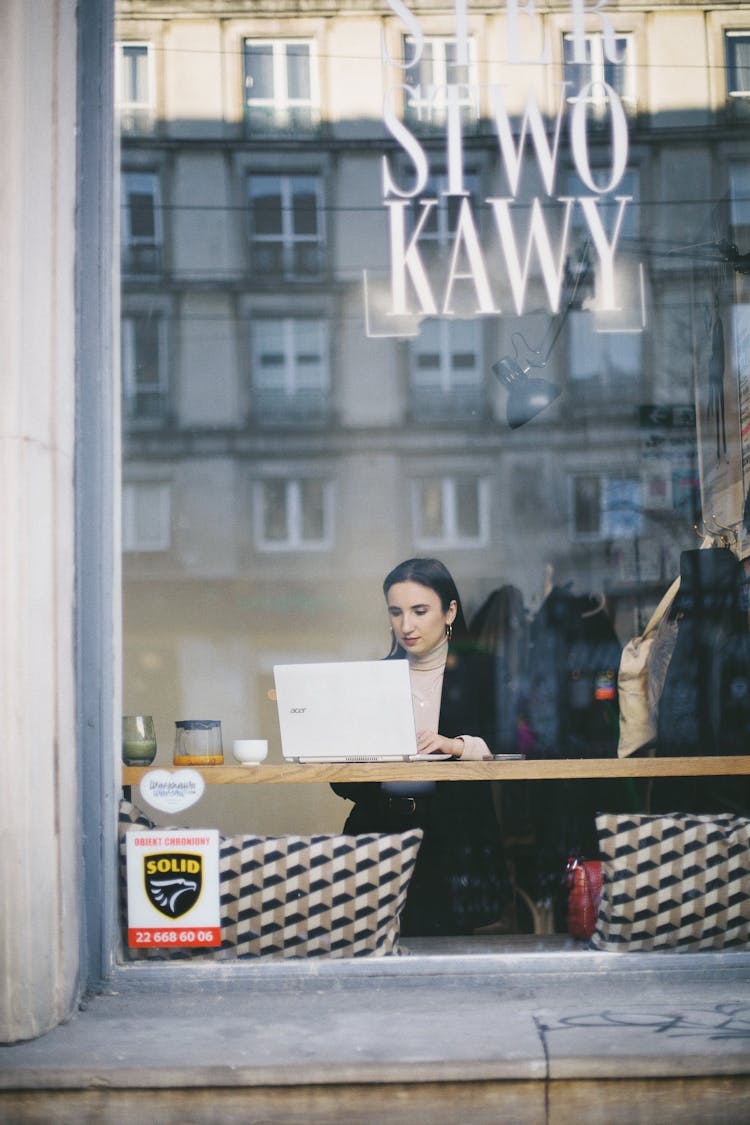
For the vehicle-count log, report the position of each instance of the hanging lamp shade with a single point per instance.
(526, 397)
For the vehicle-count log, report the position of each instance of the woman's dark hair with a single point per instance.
(435, 576)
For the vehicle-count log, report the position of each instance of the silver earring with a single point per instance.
(449, 631)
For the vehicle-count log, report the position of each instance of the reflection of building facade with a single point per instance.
(283, 448)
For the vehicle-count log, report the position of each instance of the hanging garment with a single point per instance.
(705, 702)
(500, 629)
(573, 661)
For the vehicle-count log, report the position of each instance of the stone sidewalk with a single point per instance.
(439, 1018)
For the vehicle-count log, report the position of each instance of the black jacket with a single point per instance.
(459, 881)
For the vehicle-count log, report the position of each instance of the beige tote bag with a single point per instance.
(637, 713)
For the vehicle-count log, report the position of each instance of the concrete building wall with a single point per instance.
(39, 851)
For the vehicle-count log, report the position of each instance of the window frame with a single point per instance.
(130, 389)
(298, 400)
(597, 68)
(130, 244)
(449, 395)
(450, 538)
(294, 542)
(130, 493)
(440, 66)
(610, 343)
(442, 236)
(606, 479)
(731, 33)
(287, 236)
(132, 114)
(281, 105)
(739, 169)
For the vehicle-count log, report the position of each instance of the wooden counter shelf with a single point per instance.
(531, 770)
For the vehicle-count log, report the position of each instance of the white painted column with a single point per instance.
(39, 866)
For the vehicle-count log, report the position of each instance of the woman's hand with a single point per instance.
(430, 742)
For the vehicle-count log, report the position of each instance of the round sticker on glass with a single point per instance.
(172, 791)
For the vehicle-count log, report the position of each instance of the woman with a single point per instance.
(458, 882)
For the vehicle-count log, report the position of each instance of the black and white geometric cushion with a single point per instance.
(302, 896)
(312, 896)
(673, 881)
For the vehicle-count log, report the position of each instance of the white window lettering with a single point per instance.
(468, 240)
(533, 122)
(406, 258)
(513, 11)
(580, 145)
(606, 250)
(579, 12)
(411, 146)
(552, 272)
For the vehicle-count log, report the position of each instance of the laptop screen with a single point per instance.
(355, 711)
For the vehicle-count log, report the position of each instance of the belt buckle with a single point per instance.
(397, 803)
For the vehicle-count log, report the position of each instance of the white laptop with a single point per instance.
(358, 711)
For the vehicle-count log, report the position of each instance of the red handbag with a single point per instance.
(584, 880)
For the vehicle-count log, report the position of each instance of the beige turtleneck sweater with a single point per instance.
(426, 676)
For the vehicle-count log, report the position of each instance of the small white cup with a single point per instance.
(250, 751)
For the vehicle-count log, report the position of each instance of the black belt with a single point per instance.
(404, 806)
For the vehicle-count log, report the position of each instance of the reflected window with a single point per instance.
(445, 370)
(450, 511)
(739, 204)
(146, 516)
(610, 360)
(134, 86)
(290, 369)
(614, 66)
(141, 223)
(280, 85)
(605, 506)
(293, 514)
(429, 78)
(439, 228)
(737, 54)
(144, 368)
(286, 225)
(607, 206)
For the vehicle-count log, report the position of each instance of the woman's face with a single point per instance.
(417, 616)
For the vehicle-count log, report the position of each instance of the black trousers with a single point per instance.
(459, 880)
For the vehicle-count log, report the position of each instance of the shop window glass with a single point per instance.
(309, 398)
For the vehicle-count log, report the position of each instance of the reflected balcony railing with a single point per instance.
(146, 410)
(434, 404)
(274, 407)
(134, 123)
(141, 258)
